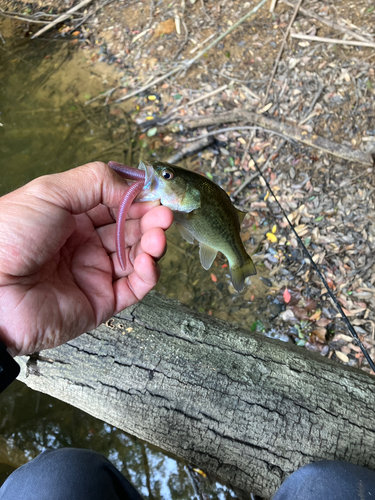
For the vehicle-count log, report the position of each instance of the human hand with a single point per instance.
(59, 272)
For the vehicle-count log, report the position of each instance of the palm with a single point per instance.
(59, 272)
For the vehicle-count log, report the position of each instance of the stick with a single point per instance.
(281, 49)
(333, 40)
(273, 5)
(254, 176)
(190, 149)
(327, 22)
(315, 100)
(229, 129)
(202, 97)
(21, 17)
(295, 133)
(187, 65)
(62, 17)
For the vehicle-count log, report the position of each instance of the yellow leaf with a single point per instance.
(274, 229)
(271, 237)
(316, 315)
(267, 195)
(151, 97)
(199, 471)
(149, 117)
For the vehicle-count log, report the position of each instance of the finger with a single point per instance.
(159, 216)
(153, 243)
(101, 216)
(80, 189)
(139, 283)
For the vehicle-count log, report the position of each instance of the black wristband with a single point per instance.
(9, 369)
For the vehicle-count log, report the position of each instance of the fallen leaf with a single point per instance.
(271, 237)
(342, 357)
(323, 322)
(320, 333)
(265, 108)
(316, 315)
(165, 28)
(286, 296)
(287, 315)
(213, 277)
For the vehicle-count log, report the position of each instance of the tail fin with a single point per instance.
(240, 273)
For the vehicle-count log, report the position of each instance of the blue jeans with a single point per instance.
(75, 474)
(68, 474)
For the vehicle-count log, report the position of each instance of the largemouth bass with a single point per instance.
(202, 211)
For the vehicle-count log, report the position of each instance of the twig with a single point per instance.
(21, 17)
(104, 94)
(281, 50)
(229, 129)
(187, 64)
(62, 17)
(327, 22)
(204, 10)
(90, 14)
(185, 28)
(350, 181)
(273, 5)
(202, 43)
(332, 40)
(190, 150)
(254, 176)
(295, 133)
(152, 7)
(316, 98)
(202, 97)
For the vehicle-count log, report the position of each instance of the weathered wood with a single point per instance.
(246, 408)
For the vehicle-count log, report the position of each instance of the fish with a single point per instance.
(202, 211)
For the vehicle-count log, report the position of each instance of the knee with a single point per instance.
(64, 473)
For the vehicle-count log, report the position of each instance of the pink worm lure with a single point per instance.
(135, 175)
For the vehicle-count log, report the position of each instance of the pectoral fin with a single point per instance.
(207, 255)
(187, 236)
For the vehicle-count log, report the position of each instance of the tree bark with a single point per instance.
(243, 407)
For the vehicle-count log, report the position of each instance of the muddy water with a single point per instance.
(45, 128)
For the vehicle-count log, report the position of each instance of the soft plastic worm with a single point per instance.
(130, 195)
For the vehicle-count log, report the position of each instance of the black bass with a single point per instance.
(202, 211)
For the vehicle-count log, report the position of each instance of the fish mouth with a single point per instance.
(149, 174)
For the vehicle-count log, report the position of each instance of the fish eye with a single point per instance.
(167, 174)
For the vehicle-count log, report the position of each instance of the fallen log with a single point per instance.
(248, 409)
(282, 128)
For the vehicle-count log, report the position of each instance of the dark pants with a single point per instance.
(68, 474)
(328, 480)
(75, 474)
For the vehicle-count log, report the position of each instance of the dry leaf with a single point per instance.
(342, 357)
